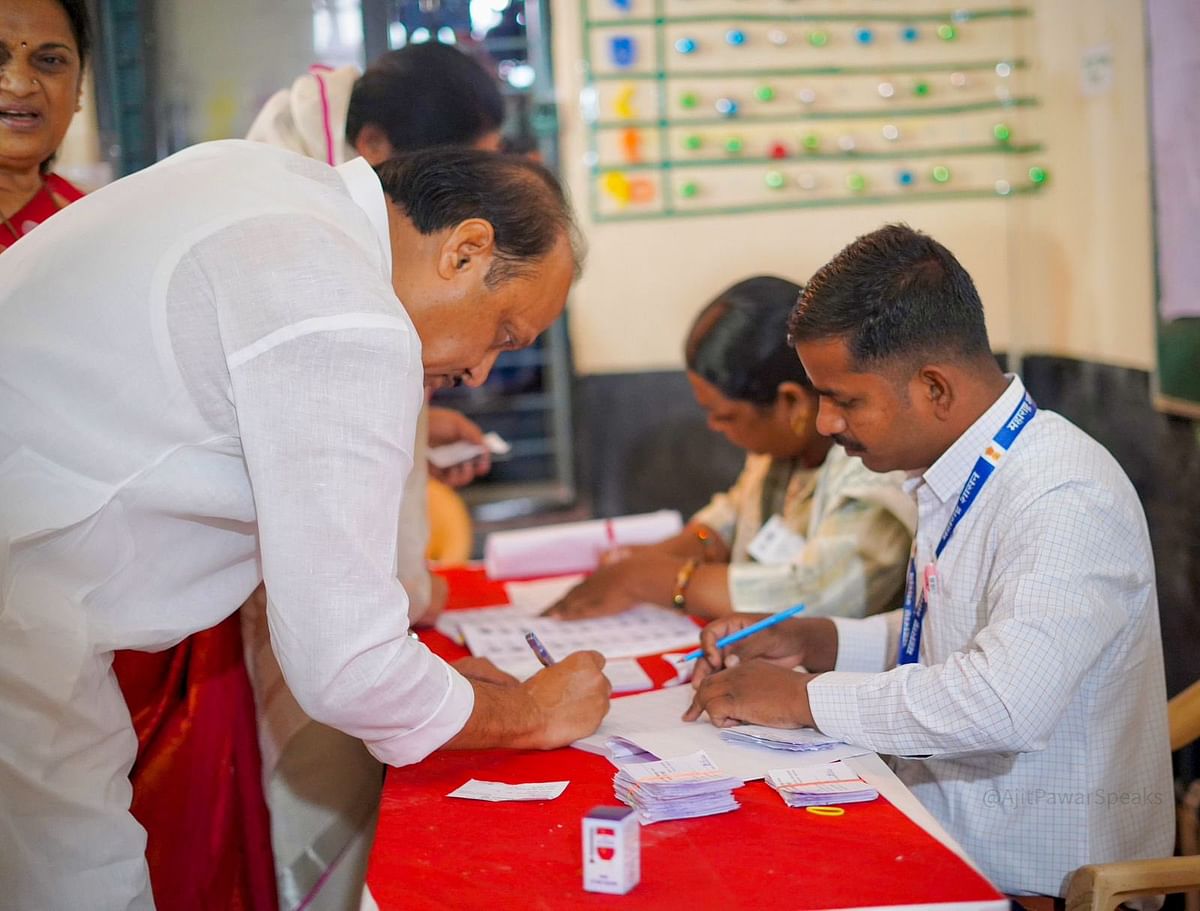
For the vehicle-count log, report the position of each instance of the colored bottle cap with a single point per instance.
(864, 35)
(775, 180)
(685, 46)
(947, 32)
(726, 107)
(778, 150)
(910, 33)
(623, 51)
(764, 93)
(1038, 174)
(856, 182)
(940, 173)
(688, 100)
(733, 144)
(693, 142)
(1002, 132)
(905, 177)
(818, 38)
(688, 190)
(811, 142)
(735, 37)
(921, 89)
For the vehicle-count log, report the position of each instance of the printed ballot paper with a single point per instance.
(498, 791)
(680, 788)
(820, 785)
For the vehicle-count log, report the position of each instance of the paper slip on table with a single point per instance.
(436, 852)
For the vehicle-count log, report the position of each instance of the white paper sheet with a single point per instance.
(652, 721)
(498, 791)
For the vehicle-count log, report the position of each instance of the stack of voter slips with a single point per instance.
(681, 788)
(820, 785)
(799, 740)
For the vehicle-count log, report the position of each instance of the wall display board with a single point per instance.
(706, 140)
(697, 109)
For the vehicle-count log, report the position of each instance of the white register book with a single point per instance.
(652, 722)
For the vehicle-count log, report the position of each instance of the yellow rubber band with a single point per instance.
(826, 811)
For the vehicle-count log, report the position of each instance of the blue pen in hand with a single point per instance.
(743, 633)
(538, 649)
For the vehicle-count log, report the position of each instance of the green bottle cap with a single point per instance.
(921, 89)
(1038, 175)
(693, 142)
(818, 38)
(764, 93)
(688, 190)
(856, 182)
(947, 32)
(940, 174)
(775, 180)
(811, 142)
(1002, 132)
(688, 100)
(733, 144)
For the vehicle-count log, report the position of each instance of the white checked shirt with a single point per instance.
(1035, 720)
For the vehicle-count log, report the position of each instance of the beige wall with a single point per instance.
(1067, 271)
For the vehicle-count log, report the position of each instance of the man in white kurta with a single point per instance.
(206, 379)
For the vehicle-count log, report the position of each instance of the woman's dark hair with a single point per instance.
(426, 95)
(81, 28)
(894, 296)
(739, 341)
(439, 188)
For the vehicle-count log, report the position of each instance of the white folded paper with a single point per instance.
(573, 547)
(820, 785)
(680, 788)
(461, 451)
(498, 791)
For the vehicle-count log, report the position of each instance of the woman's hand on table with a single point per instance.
(604, 592)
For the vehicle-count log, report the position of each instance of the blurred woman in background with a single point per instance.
(805, 522)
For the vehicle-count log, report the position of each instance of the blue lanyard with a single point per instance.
(985, 465)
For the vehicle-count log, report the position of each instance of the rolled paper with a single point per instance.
(572, 547)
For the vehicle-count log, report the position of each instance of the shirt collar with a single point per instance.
(948, 474)
(365, 189)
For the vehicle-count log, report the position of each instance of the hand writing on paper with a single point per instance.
(755, 692)
(807, 641)
(603, 593)
(448, 426)
(572, 697)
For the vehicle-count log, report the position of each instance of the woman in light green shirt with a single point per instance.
(804, 522)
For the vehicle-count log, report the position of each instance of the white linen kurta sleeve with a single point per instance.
(1050, 613)
(326, 379)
